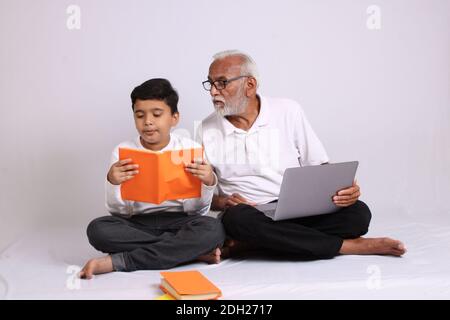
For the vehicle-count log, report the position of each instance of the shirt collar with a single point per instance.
(170, 145)
(262, 118)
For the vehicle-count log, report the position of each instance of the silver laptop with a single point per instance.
(308, 191)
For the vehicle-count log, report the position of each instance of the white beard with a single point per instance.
(235, 107)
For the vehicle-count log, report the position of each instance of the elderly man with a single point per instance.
(250, 140)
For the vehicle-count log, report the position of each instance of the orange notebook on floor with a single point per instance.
(162, 175)
(189, 285)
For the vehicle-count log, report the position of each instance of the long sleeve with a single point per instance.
(114, 202)
(201, 205)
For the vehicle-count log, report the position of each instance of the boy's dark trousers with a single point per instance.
(156, 240)
(315, 237)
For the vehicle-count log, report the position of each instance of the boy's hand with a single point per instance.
(122, 171)
(202, 170)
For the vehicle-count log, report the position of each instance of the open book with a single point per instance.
(188, 285)
(161, 176)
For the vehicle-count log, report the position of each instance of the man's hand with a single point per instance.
(203, 171)
(236, 199)
(122, 171)
(224, 202)
(347, 197)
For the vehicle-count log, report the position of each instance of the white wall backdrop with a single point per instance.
(380, 96)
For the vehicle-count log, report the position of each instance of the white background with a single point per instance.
(377, 96)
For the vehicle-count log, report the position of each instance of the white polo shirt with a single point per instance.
(252, 162)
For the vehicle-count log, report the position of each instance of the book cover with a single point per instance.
(162, 175)
(189, 285)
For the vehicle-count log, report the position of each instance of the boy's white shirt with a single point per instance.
(117, 206)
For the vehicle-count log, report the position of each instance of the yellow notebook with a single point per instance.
(162, 175)
(189, 285)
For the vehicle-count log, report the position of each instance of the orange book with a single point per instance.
(189, 285)
(162, 175)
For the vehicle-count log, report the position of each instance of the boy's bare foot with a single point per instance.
(212, 257)
(382, 246)
(96, 266)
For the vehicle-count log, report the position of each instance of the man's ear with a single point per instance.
(175, 119)
(251, 86)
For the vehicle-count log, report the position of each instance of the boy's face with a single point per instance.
(154, 119)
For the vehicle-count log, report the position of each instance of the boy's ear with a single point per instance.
(175, 119)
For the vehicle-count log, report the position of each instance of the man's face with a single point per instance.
(232, 100)
(153, 119)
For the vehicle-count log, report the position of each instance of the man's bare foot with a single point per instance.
(234, 248)
(382, 246)
(212, 257)
(96, 266)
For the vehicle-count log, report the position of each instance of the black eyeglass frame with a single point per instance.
(220, 84)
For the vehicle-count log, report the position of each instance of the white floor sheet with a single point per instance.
(43, 265)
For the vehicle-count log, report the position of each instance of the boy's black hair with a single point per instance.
(156, 89)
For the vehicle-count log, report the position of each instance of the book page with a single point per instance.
(143, 187)
(175, 182)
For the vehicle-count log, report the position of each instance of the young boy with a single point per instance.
(138, 235)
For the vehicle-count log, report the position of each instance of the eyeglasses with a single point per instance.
(219, 84)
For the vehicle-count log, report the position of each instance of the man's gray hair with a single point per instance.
(248, 67)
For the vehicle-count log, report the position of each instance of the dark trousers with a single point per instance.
(155, 241)
(315, 237)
